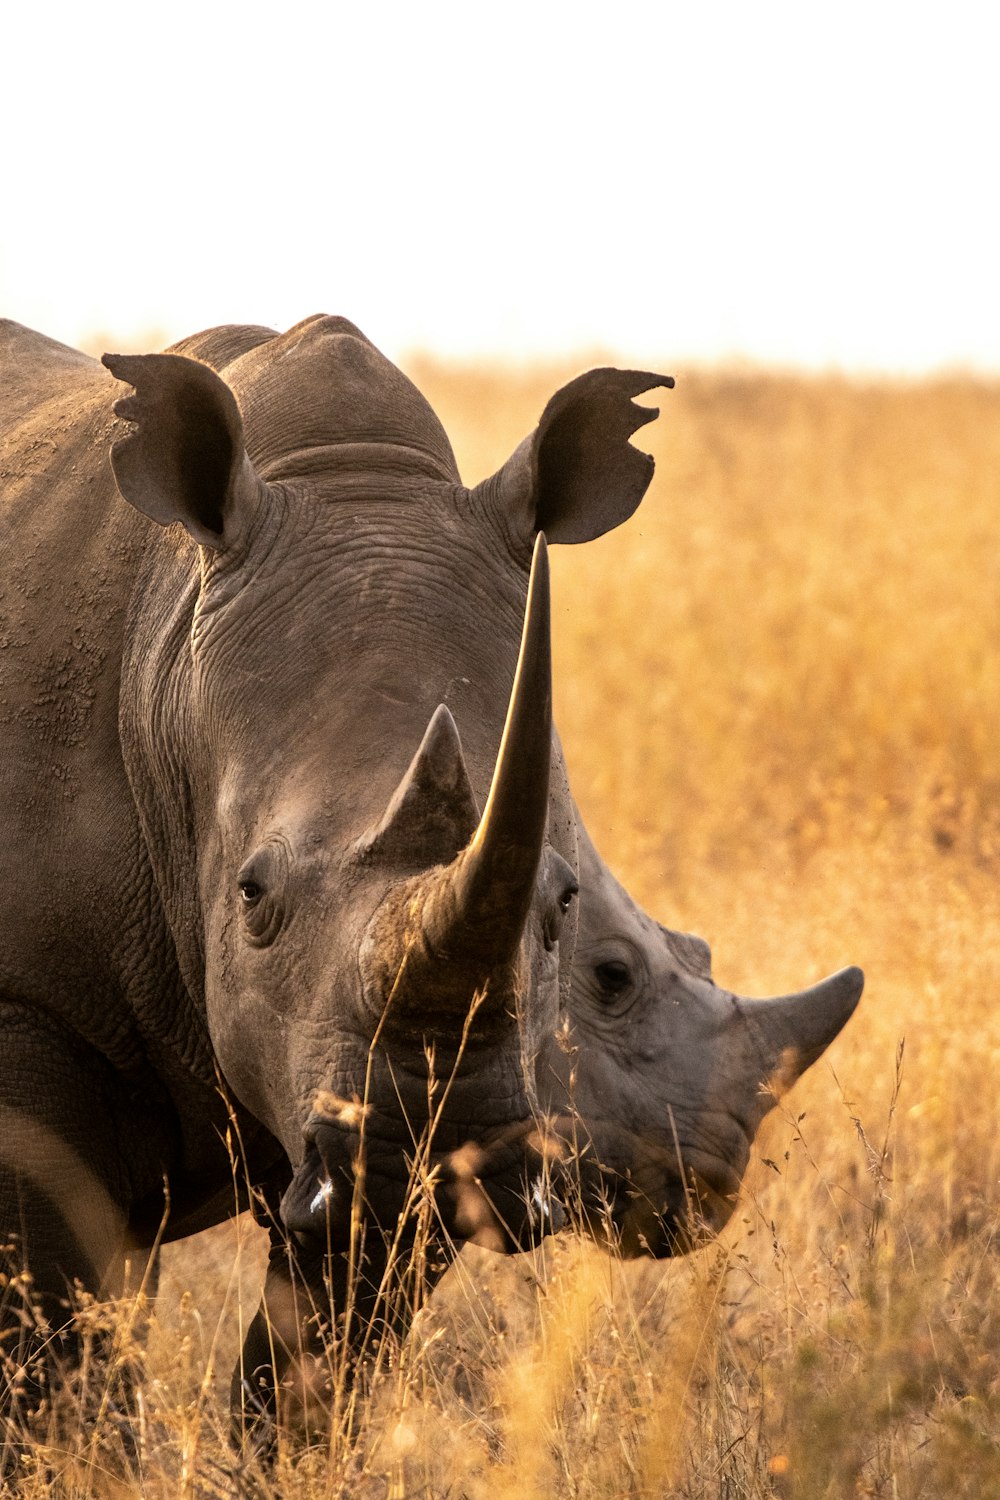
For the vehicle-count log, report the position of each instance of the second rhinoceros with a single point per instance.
(666, 1075)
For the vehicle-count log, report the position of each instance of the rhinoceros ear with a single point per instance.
(693, 952)
(433, 812)
(185, 460)
(578, 476)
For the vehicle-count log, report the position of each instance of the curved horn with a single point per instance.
(794, 1030)
(493, 880)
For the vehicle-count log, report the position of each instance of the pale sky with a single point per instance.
(805, 184)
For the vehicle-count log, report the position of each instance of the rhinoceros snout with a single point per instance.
(504, 1198)
(319, 1200)
(682, 1217)
(501, 1195)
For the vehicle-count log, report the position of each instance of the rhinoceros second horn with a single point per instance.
(433, 812)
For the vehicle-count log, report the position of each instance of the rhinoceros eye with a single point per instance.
(261, 885)
(562, 886)
(553, 927)
(613, 977)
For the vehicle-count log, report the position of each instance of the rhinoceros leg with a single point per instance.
(283, 1348)
(62, 1198)
(312, 1300)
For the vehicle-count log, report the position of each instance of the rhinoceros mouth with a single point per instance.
(496, 1193)
(679, 1216)
(644, 1199)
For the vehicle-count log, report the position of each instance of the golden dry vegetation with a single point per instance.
(777, 688)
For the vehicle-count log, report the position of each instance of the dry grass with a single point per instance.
(777, 689)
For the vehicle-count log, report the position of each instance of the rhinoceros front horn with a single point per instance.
(478, 913)
(791, 1032)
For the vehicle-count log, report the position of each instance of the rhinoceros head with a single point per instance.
(669, 1075)
(314, 700)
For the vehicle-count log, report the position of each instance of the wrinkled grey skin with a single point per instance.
(668, 1075)
(242, 884)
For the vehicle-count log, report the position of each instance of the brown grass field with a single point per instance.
(777, 687)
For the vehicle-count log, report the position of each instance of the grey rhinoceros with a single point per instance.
(666, 1075)
(247, 906)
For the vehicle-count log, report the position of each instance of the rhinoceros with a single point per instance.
(666, 1076)
(248, 908)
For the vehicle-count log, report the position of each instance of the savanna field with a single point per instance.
(778, 691)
